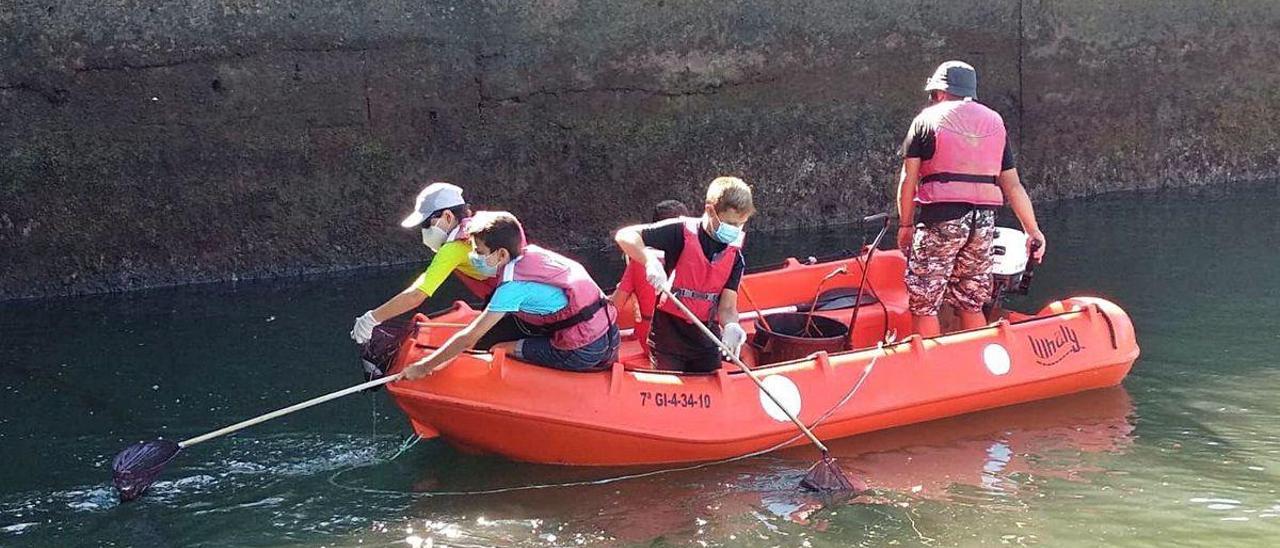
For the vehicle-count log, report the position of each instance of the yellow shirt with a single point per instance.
(452, 256)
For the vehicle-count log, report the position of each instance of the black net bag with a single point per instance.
(136, 468)
(379, 354)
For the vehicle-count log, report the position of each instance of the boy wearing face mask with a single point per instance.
(703, 266)
(634, 283)
(568, 322)
(443, 216)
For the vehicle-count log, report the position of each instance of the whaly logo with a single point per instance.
(1055, 348)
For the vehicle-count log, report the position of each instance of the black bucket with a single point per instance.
(788, 340)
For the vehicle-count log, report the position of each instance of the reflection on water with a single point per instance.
(982, 450)
(975, 459)
(1186, 453)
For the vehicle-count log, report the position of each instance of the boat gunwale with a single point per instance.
(774, 367)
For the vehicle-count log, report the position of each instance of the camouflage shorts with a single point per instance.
(951, 261)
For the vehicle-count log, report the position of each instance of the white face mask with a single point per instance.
(434, 237)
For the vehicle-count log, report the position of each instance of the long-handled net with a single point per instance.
(135, 468)
(138, 466)
(825, 476)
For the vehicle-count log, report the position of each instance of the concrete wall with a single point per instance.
(147, 143)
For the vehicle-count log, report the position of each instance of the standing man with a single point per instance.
(702, 265)
(957, 170)
(443, 217)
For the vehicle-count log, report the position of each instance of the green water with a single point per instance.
(1187, 453)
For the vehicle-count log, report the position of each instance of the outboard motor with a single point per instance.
(1011, 269)
(1009, 261)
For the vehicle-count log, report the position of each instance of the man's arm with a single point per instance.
(1020, 202)
(908, 180)
(462, 340)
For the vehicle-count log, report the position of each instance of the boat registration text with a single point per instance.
(675, 399)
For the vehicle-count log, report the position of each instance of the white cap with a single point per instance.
(435, 197)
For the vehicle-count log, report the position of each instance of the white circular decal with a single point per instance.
(996, 358)
(786, 392)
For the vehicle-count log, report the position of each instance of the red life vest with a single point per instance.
(588, 315)
(638, 284)
(646, 298)
(698, 280)
(482, 288)
(969, 141)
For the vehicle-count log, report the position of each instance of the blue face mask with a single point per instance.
(727, 233)
(481, 264)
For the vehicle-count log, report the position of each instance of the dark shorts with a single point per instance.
(506, 330)
(677, 345)
(951, 261)
(596, 355)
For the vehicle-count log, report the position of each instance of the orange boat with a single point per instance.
(632, 414)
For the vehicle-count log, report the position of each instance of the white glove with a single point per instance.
(656, 275)
(363, 329)
(733, 336)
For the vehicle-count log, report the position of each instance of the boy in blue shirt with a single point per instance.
(564, 320)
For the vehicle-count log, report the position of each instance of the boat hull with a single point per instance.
(632, 415)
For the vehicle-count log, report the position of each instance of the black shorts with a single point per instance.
(506, 330)
(677, 345)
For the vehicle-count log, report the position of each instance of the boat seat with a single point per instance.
(632, 360)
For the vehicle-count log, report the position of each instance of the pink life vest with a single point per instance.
(698, 280)
(482, 288)
(588, 315)
(969, 143)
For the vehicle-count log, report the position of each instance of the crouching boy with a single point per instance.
(564, 319)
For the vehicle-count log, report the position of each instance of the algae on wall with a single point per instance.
(192, 140)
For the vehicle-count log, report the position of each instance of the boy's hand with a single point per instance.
(363, 330)
(656, 275)
(733, 336)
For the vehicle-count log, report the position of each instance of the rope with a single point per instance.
(413, 440)
(405, 445)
